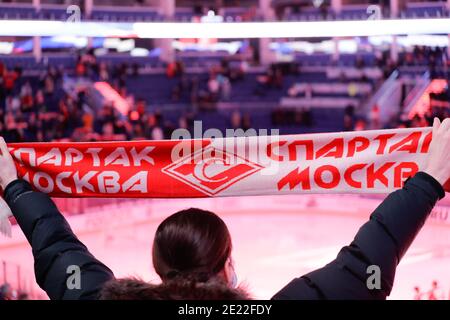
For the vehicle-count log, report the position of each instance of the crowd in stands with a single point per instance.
(432, 57)
(45, 112)
(41, 109)
(435, 60)
(439, 107)
(218, 86)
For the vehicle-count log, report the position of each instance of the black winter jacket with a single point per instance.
(382, 241)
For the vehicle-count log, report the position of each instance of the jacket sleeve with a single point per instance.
(382, 241)
(57, 251)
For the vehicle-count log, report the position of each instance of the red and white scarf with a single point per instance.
(376, 161)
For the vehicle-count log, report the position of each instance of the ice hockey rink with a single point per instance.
(275, 239)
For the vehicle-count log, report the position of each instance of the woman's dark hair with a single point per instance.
(191, 243)
(191, 247)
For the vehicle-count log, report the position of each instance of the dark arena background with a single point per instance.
(127, 70)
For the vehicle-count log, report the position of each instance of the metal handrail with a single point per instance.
(382, 90)
(416, 92)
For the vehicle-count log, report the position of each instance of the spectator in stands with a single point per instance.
(388, 68)
(277, 78)
(375, 117)
(39, 102)
(49, 90)
(108, 132)
(213, 87)
(324, 10)
(80, 68)
(9, 79)
(174, 69)
(353, 90)
(246, 122)
(263, 83)
(157, 133)
(432, 67)
(293, 91)
(349, 118)
(359, 62)
(138, 132)
(360, 125)
(418, 122)
(103, 72)
(26, 97)
(171, 69)
(236, 120)
(380, 58)
(409, 59)
(12, 104)
(13, 127)
(225, 87)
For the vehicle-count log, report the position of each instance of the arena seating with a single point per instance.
(17, 11)
(59, 12)
(184, 14)
(128, 14)
(425, 10)
(334, 86)
(149, 14)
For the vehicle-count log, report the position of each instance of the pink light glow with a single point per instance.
(422, 105)
(111, 95)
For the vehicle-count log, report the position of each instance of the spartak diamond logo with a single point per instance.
(211, 170)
